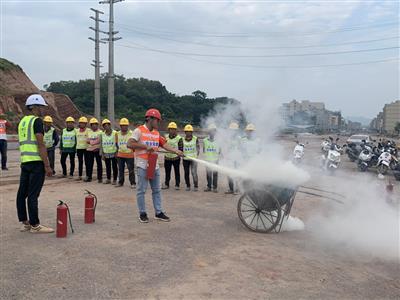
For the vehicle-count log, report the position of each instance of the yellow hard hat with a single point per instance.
(212, 127)
(48, 119)
(123, 121)
(105, 121)
(172, 125)
(70, 119)
(250, 127)
(188, 128)
(234, 126)
(83, 120)
(93, 121)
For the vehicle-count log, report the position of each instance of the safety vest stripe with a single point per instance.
(29, 138)
(29, 153)
(28, 142)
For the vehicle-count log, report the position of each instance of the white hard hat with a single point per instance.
(35, 99)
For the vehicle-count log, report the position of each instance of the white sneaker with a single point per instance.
(25, 227)
(41, 229)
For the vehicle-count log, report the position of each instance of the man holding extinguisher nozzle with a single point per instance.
(145, 141)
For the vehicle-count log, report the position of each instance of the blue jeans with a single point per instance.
(142, 187)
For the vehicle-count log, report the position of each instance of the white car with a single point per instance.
(359, 138)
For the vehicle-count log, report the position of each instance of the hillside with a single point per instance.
(133, 96)
(15, 87)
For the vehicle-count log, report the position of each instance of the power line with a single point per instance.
(276, 66)
(260, 34)
(260, 47)
(138, 46)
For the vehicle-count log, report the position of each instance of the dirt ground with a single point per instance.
(203, 253)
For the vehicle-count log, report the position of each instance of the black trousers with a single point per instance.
(212, 178)
(51, 155)
(168, 163)
(130, 163)
(81, 153)
(30, 184)
(231, 184)
(63, 161)
(91, 156)
(3, 152)
(190, 167)
(111, 162)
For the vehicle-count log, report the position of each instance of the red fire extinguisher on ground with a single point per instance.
(151, 168)
(62, 220)
(90, 207)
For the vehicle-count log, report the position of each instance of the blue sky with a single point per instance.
(49, 39)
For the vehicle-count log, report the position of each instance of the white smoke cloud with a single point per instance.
(368, 223)
(364, 224)
(264, 162)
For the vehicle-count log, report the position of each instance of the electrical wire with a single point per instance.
(138, 46)
(271, 66)
(261, 34)
(261, 47)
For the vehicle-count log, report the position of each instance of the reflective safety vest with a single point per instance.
(150, 138)
(211, 150)
(189, 147)
(48, 138)
(3, 128)
(108, 142)
(68, 138)
(81, 138)
(93, 136)
(174, 144)
(122, 142)
(28, 145)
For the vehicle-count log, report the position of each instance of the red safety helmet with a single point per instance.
(152, 112)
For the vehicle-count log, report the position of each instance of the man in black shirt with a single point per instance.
(34, 166)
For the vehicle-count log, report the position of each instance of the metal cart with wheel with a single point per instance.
(264, 207)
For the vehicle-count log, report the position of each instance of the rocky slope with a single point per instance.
(15, 87)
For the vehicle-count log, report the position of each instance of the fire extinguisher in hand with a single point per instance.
(90, 207)
(62, 219)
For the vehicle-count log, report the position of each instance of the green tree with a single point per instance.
(133, 96)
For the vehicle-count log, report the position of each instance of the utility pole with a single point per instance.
(96, 62)
(111, 39)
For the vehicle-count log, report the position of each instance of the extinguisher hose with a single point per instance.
(69, 217)
(95, 205)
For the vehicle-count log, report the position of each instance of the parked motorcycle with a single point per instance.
(298, 153)
(368, 158)
(353, 151)
(387, 160)
(331, 159)
(326, 145)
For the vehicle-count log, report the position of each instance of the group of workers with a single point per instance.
(38, 140)
(91, 144)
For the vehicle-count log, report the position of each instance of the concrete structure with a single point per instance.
(377, 123)
(391, 116)
(309, 113)
(386, 120)
(353, 127)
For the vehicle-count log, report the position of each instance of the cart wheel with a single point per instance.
(258, 217)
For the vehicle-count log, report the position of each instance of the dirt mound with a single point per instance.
(15, 87)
